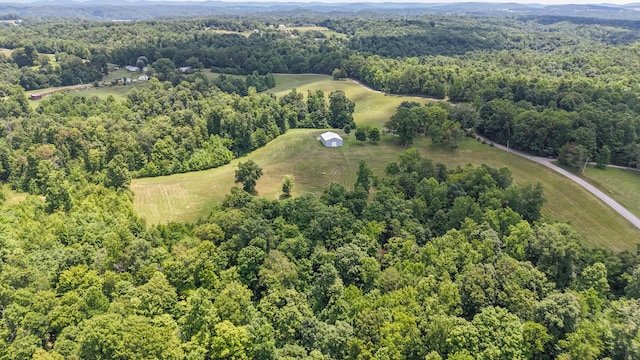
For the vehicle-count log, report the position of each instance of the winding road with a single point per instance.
(590, 188)
(548, 162)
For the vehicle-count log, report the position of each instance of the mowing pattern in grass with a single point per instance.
(186, 197)
(622, 185)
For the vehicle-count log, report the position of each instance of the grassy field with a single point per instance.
(326, 31)
(221, 31)
(12, 197)
(622, 185)
(372, 108)
(214, 75)
(118, 91)
(186, 197)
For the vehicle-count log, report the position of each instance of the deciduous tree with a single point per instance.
(248, 174)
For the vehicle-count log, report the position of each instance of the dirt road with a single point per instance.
(548, 162)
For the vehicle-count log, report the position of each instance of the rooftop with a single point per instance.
(330, 135)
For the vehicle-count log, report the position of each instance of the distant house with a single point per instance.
(116, 67)
(186, 69)
(143, 78)
(132, 68)
(36, 96)
(331, 139)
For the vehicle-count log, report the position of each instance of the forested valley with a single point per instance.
(420, 262)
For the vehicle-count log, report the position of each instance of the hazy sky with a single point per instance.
(378, 1)
(435, 1)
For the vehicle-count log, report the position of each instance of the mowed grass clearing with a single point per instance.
(324, 30)
(119, 92)
(187, 197)
(622, 185)
(372, 108)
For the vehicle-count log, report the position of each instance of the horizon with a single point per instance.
(522, 2)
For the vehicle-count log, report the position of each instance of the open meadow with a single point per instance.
(118, 91)
(187, 197)
(372, 108)
(622, 185)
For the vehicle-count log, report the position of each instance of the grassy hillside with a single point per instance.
(622, 185)
(372, 108)
(186, 197)
(190, 196)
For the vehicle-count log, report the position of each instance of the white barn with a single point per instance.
(331, 139)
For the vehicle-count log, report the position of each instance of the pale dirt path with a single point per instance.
(548, 162)
(617, 167)
(49, 91)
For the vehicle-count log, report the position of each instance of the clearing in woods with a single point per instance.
(187, 197)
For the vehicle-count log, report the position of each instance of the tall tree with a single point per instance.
(248, 174)
(603, 157)
(361, 134)
(404, 123)
(287, 185)
(317, 109)
(118, 176)
(364, 176)
(573, 156)
(164, 68)
(373, 133)
(340, 109)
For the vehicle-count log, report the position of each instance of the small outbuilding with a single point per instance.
(36, 96)
(331, 139)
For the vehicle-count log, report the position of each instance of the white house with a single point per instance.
(331, 139)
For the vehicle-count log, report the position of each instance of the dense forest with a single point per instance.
(573, 79)
(160, 130)
(421, 262)
(436, 264)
